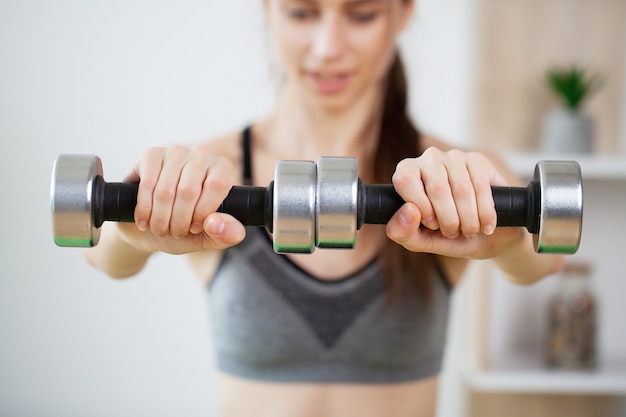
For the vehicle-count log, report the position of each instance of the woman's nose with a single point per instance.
(329, 38)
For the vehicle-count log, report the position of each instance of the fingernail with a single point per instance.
(406, 218)
(142, 225)
(431, 223)
(452, 235)
(196, 228)
(472, 236)
(488, 229)
(216, 226)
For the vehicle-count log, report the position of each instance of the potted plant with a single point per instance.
(568, 129)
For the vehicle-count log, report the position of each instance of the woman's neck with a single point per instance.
(300, 129)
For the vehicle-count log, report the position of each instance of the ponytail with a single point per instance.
(403, 271)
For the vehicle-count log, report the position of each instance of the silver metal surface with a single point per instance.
(71, 200)
(294, 207)
(560, 223)
(337, 194)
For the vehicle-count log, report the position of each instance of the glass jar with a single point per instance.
(572, 321)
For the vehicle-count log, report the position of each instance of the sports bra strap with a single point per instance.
(247, 156)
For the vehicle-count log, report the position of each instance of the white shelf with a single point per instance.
(593, 167)
(515, 370)
(545, 382)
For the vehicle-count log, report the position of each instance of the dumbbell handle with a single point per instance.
(377, 203)
(515, 206)
(115, 201)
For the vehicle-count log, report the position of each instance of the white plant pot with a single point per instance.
(567, 131)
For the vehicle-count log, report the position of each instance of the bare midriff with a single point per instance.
(242, 398)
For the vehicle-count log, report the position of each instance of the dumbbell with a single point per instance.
(312, 205)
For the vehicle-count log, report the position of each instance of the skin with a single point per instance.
(335, 55)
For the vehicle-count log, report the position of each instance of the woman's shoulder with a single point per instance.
(228, 144)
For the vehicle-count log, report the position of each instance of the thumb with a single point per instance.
(404, 228)
(404, 224)
(223, 230)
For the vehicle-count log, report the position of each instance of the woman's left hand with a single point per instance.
(449, 206)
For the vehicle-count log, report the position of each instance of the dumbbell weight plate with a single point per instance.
(561, 214)
(337, 196)
(71, 199)
(294, 207)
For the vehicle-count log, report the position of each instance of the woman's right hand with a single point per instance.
(180, 190)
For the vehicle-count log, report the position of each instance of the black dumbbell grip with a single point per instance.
(515, 206)
(377, 203)
(113, 201)
(252, 206)
(116, 202)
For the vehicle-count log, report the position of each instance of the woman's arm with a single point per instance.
(523, 266)
(179, 192)
(450, 212)
(515, 262)
(114, 256)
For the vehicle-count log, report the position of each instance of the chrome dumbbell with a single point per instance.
(312, 205)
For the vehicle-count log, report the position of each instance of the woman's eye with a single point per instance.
(363, 17)
(302, 13)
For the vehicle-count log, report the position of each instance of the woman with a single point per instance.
(335, 333)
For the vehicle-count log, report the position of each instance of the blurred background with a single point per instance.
(113, 78)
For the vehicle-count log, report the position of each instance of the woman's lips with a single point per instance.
(329, 83)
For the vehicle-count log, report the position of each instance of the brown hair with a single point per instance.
(403, 271)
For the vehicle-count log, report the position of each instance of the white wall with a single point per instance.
(439, 51)
(112, 78)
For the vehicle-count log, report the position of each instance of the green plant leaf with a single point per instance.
(572, 85)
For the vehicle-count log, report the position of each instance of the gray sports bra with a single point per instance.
(272, 321)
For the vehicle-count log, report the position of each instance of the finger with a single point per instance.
(404, 224)
(165, 190)
(408, 184)
(483, 175)
(223, 230)
(218, 182)
(147, 172)
(437, 186)
(187, 195)
(463, 193)
(404, 229)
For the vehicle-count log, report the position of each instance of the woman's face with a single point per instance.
(334, 50)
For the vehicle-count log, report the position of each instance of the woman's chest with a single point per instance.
(273, 321)
(331, 264)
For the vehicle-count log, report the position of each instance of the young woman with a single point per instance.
(335, 333)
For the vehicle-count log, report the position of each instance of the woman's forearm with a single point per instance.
(114, 256)
(523, 266)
